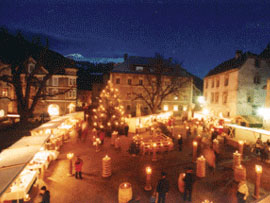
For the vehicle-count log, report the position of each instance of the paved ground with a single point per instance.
(218, 187)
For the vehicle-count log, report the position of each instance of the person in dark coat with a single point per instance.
(162, 188)
(126, 130)
(78, 168)
(45, 195)
(180, 142)
(188, 185)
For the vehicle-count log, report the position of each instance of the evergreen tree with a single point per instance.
(109, 115)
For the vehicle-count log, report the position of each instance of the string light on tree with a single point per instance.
(109, 113)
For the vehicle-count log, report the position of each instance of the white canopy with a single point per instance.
(16, 157)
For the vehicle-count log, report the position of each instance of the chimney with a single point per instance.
(238, 54)
(125, 57)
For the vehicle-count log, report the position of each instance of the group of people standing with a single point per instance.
(163, 186)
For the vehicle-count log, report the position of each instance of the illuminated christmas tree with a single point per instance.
(109, 115)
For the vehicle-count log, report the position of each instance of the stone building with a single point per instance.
(133, 76)
(236, 87)
(65, 82)
(7, 94)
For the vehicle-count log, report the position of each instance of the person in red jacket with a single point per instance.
(78, 168)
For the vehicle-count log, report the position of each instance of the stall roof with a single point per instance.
(30, 141)
(15, 158)
(7, 176)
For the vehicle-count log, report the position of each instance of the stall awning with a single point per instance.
(7, 176)
(16, 157)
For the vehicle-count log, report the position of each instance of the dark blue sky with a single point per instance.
(199, 33)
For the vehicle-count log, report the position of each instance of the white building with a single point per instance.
(237, 87)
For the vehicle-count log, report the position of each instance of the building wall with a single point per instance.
(251, 96)
(216, 91)
(244, 95)
(57, 83)
(184, 97)
(266, 119)
(7, 93)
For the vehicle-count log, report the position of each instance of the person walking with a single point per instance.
(126, 129)
(78, 168)
(180, 142)
(188, 185)
(242, 192)
(101, 136)
(45, 195)
(162, 188)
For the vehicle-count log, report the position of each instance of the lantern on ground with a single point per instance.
(70, 156)
(241, 147)
(200, 170)
(236, 159)
(106, 166)
(124, 192)
(148, 185)
(258, 171)
(154, 158)
(195, 147)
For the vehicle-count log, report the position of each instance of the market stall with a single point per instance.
(25, 161)
(142, 123)
(147, 143)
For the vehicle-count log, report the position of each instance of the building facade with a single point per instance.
(63, 82)
(132, 77)
(237, 86)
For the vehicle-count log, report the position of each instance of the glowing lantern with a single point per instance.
(53, 110)
(165, 108)
(71, 107)
(2, 113)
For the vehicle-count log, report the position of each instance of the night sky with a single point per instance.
(199, 33)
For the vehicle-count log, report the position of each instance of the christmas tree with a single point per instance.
(109, 115)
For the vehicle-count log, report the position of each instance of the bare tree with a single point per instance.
(163, 79)
(29, 85)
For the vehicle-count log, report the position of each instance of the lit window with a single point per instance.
(175, 107)
(117, 80)
(165, 108)
(4, 92)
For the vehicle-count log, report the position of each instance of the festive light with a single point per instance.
(258, 168)
(70, 155)
(53, 110)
